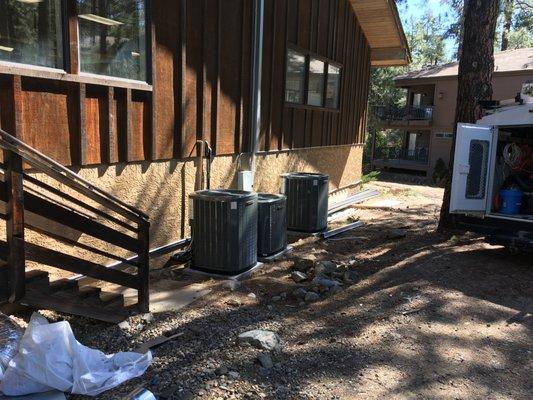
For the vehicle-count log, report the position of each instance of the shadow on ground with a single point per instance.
(431, 316)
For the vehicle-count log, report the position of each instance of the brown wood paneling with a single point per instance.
(50, 118)
(111, 142)
(246, 78)
(72, 28)
(279, 38)
(140, 126)
(304, 23)
(96, 124)
(266, 84)
(201, 87)
(193, 76)
(167, 78)
(210, 73)
(330, 29)
(230, 69)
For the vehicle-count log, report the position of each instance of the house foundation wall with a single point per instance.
(161, 188)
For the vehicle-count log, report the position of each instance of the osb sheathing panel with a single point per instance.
(161, 189)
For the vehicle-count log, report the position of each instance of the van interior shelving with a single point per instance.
(493, 168)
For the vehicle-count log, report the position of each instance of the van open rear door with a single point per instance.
(474, 150)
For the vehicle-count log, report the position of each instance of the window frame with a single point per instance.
(304, 83)
(70, 71)
(6, 67)
(148, 38)
(308, 55)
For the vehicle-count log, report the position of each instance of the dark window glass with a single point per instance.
(295, 79)
(333, 88)
(113, 38)
(31, 32)
(315, 90)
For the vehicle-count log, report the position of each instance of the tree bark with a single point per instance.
(476, 65)
(508, 8)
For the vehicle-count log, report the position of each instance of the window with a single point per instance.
(31, 32)
(333, 88)
(315, 88)
(417, 99)
(295, 79)
(112, 37)
(312, 81)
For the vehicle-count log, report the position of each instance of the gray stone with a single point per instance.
(303, 264)
(260, 339)
(299, 293)
(349, 277)
(275, 299)
(327, 283)
(234, 375)
(265, 360)
(283, 295)
(311, 296)
(298, 276)
(148, 318)
(124, 325)
(325, 268)
(252, 296)
(222, 370)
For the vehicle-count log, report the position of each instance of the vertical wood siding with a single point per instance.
(201, 76)
(330, 29)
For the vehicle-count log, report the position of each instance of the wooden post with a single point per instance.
(72, 21)
(15, 225)
(143, 274)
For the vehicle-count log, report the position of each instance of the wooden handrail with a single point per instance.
(17, 200)
(69, 178)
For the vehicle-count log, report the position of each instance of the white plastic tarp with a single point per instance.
(49, 357)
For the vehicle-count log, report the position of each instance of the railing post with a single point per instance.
(15, 225)
(143, 274)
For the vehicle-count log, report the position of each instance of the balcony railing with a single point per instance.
(418, 156)
(408, 113)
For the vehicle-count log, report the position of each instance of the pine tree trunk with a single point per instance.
(475, 76)
(508, 7)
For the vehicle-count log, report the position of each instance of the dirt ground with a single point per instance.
(426, 316)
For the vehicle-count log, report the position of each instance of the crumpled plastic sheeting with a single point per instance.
(10, 335)
(49, 357)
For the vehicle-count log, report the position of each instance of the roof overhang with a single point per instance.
(383, 29)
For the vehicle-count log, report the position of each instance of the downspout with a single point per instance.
(257, 72)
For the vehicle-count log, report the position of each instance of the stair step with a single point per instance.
(62, 285)
(62, 302)
(36, 275)
(89, 292)
(112, 300)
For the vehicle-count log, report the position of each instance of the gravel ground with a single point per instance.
(420, 315)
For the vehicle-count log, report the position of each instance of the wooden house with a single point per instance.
(125, 93)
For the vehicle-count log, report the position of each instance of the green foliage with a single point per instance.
(426, 39)
(370, 177)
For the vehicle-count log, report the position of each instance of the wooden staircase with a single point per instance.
(91, 227)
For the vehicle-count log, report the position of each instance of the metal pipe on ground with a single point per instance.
(356, 198)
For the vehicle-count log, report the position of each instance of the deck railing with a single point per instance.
(42, 195)
(408, 113)
(418, 155)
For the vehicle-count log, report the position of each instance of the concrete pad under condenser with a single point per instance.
(276, 256)
(240, 276)
(167, 295)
